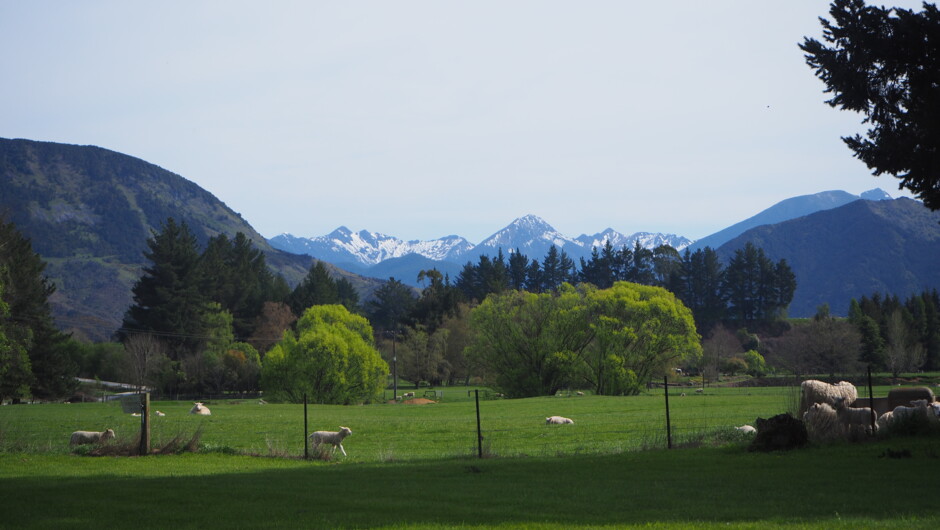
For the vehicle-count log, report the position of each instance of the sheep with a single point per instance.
(813, 391)
(330, 437)
(919, 410)
(822, 422)
(408, 395)
(557, 420)
(262, 402)
(746, 429)
(854, 419)
(907, 395)
(160, 413)
(579, 393)
(199, 408)
(90, 437)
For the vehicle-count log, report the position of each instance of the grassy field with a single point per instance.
(829, 487)
(414, 466)
(383, 433)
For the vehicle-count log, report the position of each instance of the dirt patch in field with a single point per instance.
(418, 401)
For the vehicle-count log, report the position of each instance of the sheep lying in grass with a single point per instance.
(822, 423)
(854, 420)
(90, 437)
(746, 429)
(330, 437)
(557, 420)
(160, 413)
(813, 391)
(199, 408)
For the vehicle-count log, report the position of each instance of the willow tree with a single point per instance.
(330, 357)
(639, 332)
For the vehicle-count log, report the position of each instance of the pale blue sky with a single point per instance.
(420, 119)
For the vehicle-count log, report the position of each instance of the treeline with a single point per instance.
(202, 319)
(751, 290)
(898, 336)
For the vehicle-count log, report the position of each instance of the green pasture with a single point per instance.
(393, 432)
(415, 466)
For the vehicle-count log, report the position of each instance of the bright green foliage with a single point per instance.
(530, 343)
(610, 340)
(756, 365)
(330, 357)
(646, 328)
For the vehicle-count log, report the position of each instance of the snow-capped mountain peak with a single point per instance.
(530, 235)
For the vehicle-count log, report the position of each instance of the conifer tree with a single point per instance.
(168, 299)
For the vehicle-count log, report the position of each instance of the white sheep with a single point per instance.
(746, 429)
(90, 437)
(160, 413)
(199, 408)
(919, 409)
(813, 391)
(330, 437)
(854, 419)
(557, 420)
(822, 422)
(579, 393)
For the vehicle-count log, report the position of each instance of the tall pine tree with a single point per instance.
(168, 299)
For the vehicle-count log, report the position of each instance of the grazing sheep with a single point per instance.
(822, 422)
(557, 420)
(854, 420)
(262, 402)
(579, 393)
(199, 408)
(813, 391)
(90, 437)
(747, 429)
(408, 395)
(331, 437)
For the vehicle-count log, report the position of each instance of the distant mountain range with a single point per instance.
(860, 248)
(376, 254)
(789, 209)
(89, 212)
(379, 255)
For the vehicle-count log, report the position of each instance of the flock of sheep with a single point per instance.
(825, 409)
(828, 413)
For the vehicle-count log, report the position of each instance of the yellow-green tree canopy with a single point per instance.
(610, 340)
(330, 357)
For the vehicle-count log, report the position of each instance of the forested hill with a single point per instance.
(855, 250)
(89, 212)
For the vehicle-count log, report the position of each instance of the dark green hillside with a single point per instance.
(89, 212)
(857, 249)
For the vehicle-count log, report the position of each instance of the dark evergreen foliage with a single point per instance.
(885, 64)
(29, 325)
(169, 299)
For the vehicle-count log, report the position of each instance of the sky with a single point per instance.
(422, 119)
